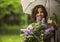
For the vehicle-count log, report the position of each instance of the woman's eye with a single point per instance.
(41, 12)
(37, 12)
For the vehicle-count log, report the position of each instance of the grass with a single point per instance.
(10, 33)
(10, 38)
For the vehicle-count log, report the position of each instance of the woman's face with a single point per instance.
(40, 13)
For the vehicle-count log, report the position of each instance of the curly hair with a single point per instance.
(35, 10)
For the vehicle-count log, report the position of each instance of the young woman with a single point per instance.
(39, 13)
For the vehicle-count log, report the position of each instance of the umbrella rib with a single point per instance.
(29, 5)
(46, 2)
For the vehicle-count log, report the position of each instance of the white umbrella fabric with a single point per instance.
(52, 6)
(29, 4)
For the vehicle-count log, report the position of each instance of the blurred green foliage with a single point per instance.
(11, 16)
(6, 6)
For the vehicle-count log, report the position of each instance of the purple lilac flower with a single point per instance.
(43, 20)
(43, 23)
(24, 31)
(30, 31)
(38, 18)
(27, 31)
(47, 31)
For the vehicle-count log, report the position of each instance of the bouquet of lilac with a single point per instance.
(36, 31)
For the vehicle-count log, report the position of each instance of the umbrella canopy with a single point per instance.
(51, 5)
(29, 4)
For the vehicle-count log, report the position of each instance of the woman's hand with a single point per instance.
(49, 21)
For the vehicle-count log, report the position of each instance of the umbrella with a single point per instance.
(52, 6)
(29, 4)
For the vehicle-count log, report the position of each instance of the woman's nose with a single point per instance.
(39, 14)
